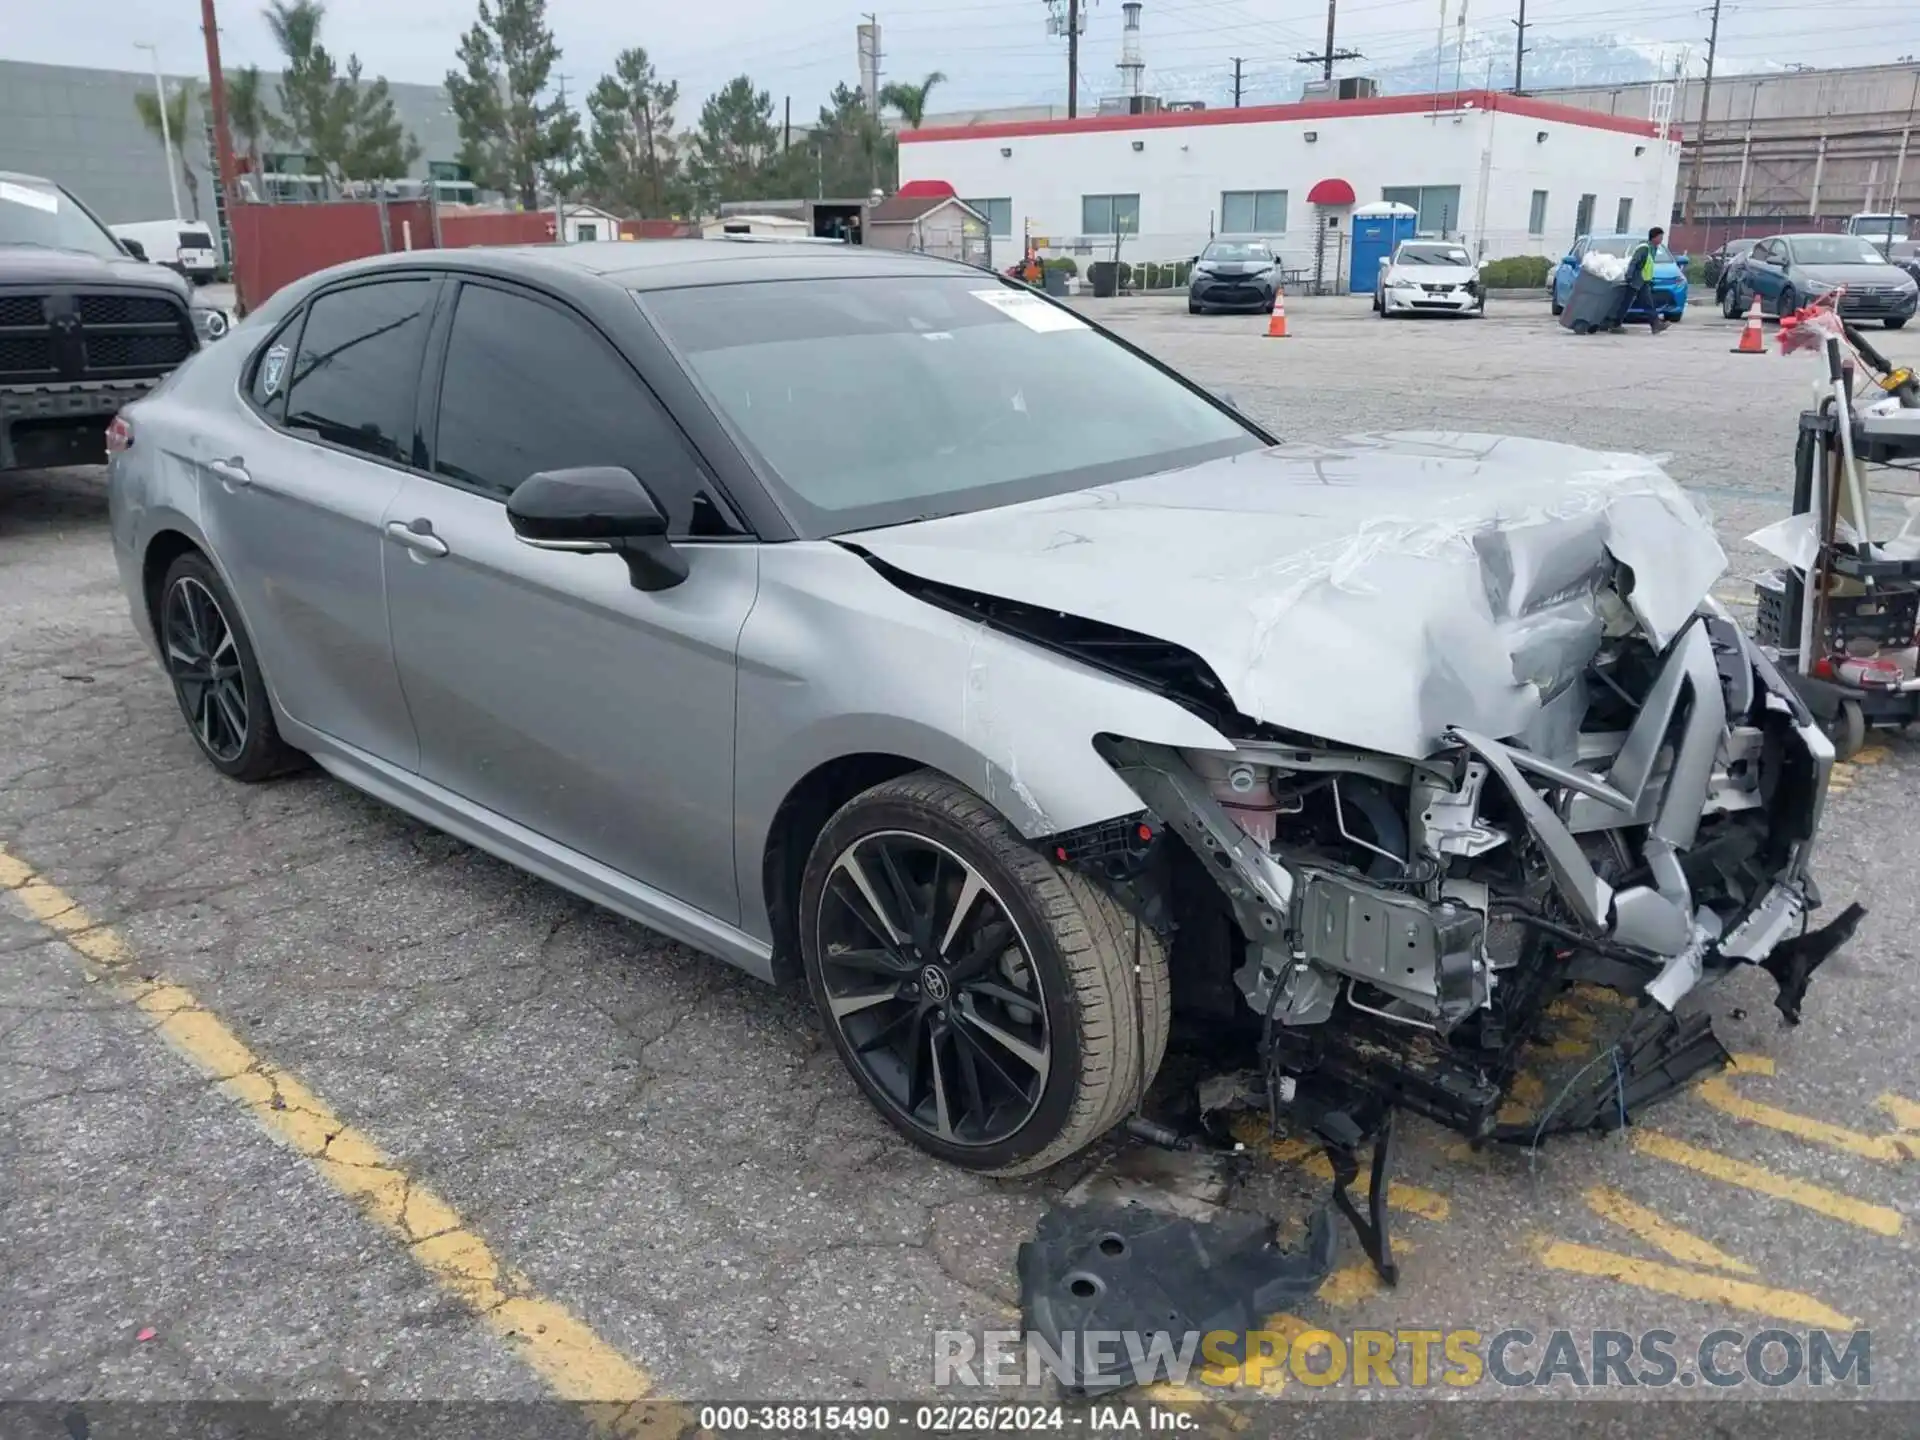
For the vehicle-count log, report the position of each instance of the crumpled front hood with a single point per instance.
(1372, 592)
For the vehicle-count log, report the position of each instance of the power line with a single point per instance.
(1329, 55)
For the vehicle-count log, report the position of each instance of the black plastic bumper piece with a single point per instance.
(1793, 962)
(1135, 1271)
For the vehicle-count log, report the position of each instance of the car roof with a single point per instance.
(20, 176)
(669, 264)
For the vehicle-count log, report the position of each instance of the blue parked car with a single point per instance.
(1669, 274)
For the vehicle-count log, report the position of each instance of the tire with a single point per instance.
(194, 606)
(1789, 302)
(1848, 730)
(1676, 317)
(1729, 304)
(1103, 1028)
(1555, 307)
(1193, 307)
(1898, 323)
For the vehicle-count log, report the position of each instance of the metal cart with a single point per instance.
(1850, 652)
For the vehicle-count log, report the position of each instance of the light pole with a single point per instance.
(166, 132)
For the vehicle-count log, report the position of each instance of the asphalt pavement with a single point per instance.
(652, 1175)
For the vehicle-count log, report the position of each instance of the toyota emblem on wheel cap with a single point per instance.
(933, 980)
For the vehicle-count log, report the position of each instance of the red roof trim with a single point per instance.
(1306, 110)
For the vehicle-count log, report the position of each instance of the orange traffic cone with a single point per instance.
(1277, 321)
(1751, 342)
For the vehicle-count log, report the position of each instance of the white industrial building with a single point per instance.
(1506, 174)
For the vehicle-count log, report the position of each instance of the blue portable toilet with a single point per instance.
(1377, 229)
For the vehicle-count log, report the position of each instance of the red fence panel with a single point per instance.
(274, 245)
(494, 227)
(410, 225)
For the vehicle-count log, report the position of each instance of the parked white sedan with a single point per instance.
(1429, 277)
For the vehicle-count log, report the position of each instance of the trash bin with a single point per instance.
(1591, 303)
(1054, 281)
(1105, 275)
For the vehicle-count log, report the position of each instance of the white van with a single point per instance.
(183, 245)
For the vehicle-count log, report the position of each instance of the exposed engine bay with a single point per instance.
(1404, 922)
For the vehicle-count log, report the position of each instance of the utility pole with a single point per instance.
(1326, 58)
(559, 205)
(166, 133)
(1700, 130)
(1073, 58)
(786, 129)
(1519, 47)
(223, 146)
(1237, 63)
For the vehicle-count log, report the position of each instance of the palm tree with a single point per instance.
(248, 115)
(911, 100)
(182, 98)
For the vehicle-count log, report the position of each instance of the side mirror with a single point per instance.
(134, 248)
(598, 508)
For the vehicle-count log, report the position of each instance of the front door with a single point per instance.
(295, 491)
(543, 685)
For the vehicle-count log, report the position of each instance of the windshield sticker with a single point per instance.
(1030, 310)
(273, 365)
(45, 200)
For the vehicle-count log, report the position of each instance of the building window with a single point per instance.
(1438, 206)
(1583, 217)
(998, 215)
(1623, 218)
(1537, 214)
(1253, 212)
(1109, 214)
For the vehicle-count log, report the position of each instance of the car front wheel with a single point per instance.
(1000, 1011)
(1897, 322)
(216, 677)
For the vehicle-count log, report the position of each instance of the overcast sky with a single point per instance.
(995, 52)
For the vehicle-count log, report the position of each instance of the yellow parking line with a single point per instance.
(1357, 1280)
(1788, 1305)
(1905, 1113)
(1718, 1092)
(576, 1364)
(1831, 1203)
(1610, 1204)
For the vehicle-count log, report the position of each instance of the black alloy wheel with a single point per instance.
(933, 989)
(203, 661)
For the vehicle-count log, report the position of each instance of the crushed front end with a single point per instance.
(1405, 923)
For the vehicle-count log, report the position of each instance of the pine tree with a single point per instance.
(634, 162)
(734, 144)
(509, 137)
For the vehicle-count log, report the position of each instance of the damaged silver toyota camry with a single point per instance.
(867, 618)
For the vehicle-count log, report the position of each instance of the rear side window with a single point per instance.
(357, 365)
(528, 388)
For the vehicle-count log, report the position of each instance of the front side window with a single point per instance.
(878, 400)
(1253, 212)
(998, 214)
(1110, 214)
(358, 365)
(528, 387)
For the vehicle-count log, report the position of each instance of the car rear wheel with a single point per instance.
(998, 1010)
(1555, 307)
(216, 677)
(1730, 303)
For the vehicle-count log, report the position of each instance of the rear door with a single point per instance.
(544, 686)
(294, 491)
(1765, 273)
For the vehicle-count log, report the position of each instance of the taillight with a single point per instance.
(119, 435)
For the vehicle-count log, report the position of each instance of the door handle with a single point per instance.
(233, 471)
(417, 536)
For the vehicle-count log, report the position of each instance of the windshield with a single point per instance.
(1625, 245)
(1230, 250)
(872, 401)
(1833, 250)
(1431, 255)
(32, 213)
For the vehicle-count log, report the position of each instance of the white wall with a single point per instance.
(1180, 172)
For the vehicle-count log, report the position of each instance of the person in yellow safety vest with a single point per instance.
(1639, 282)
